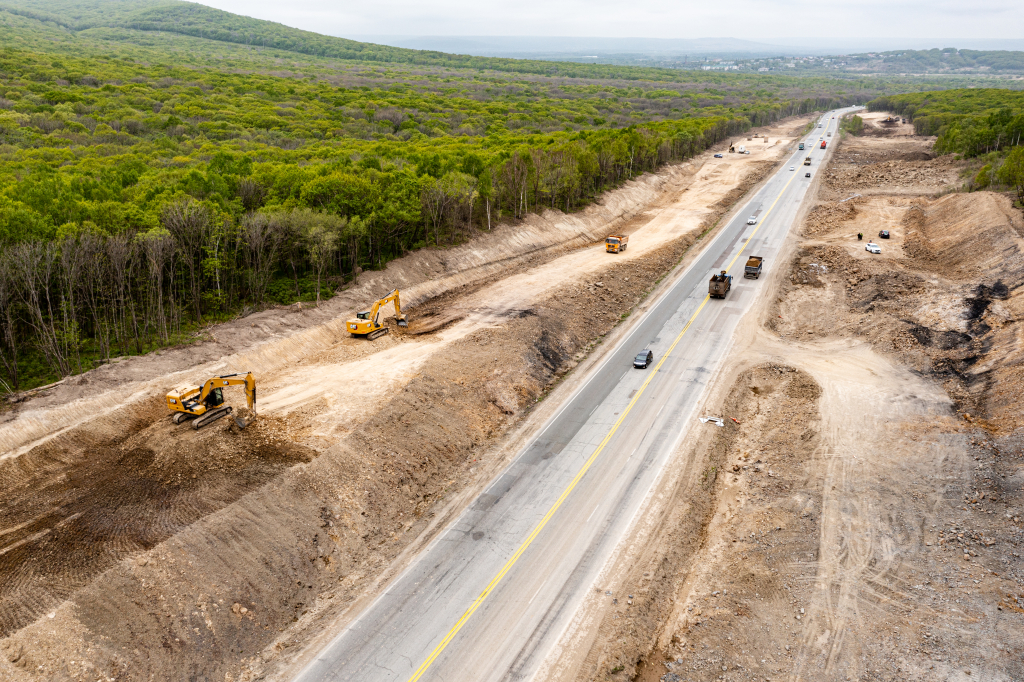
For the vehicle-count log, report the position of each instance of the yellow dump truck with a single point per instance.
(807, 161)
(615, 243)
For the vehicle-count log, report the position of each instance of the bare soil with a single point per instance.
(134, 549)
(863, 516)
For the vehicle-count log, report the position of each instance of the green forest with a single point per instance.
(967, 121)
(166, 165)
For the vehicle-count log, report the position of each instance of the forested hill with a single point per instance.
(192, 19)
(160, 168)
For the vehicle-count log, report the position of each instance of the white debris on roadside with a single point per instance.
(717, 421)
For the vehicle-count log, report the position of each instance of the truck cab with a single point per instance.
(801, 145)
(823, 144)
(615, 243)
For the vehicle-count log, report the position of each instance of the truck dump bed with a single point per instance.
(719, 285)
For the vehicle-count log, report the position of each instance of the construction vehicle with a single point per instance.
(719, 285)
(615, 243)
(205, 404)
(752, 270)
(807, 161)
(801, 145)
(823, 144)
(367, 323)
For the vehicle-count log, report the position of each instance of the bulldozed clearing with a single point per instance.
(134, 549)
(863, 516)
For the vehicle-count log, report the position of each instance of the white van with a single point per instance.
(741, 149)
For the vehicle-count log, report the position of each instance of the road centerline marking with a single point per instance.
(493, 584)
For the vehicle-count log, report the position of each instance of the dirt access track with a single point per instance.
(134, 549)
(863, 516)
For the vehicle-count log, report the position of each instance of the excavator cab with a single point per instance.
(215, 399)
(363, 316)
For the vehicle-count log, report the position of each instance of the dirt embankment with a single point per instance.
(132, 549)
(867, 521)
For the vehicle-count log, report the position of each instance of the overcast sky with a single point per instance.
(758, 20)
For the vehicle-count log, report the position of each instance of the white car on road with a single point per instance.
(792, 168)
(873, 247)
(752, 220)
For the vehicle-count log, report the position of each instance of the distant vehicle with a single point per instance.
(884, 234)
(872, 247)
(719, 285)
(616, 243)
(741, 149)
(807, 174)
(752, 269)
(718, 156)
(745, 151)
(807, 161)
(752, 220)
(643, 359)
(801, 145)
(792, 168)
(820, 124)
(830, 133)
(823, 144)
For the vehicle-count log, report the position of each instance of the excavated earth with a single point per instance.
(134, 549)
(861, 514)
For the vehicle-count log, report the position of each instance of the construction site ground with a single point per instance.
(860, 516)
(131, 548)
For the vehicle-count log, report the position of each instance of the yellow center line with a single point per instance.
(576, 479)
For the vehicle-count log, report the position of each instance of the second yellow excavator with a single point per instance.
(205, 404)
(368, 324)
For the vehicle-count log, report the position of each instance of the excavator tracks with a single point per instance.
(376, 334)
(210, 417)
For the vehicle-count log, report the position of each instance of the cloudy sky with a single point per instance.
(758, 20)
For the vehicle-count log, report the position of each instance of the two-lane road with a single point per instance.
(492, 594)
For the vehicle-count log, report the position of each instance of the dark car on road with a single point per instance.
(643, 359)
(718, 156)
(884, 234)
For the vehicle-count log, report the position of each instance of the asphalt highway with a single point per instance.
(489, 597)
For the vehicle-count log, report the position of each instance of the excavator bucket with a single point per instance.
(402, 322)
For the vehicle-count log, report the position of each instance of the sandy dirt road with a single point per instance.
(227, 548)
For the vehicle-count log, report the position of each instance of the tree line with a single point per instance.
(86, 295)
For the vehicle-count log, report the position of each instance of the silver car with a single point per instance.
(752, 220)
(872, 247)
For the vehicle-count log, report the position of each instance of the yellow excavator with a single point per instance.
(368, 324)
(205, 404)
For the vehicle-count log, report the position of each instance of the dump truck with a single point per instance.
(614, 243)
(807, 161)
(752, 270)
(801, 145)
(823, 144)
(719, 285)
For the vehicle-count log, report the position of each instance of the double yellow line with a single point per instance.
(576, 479)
